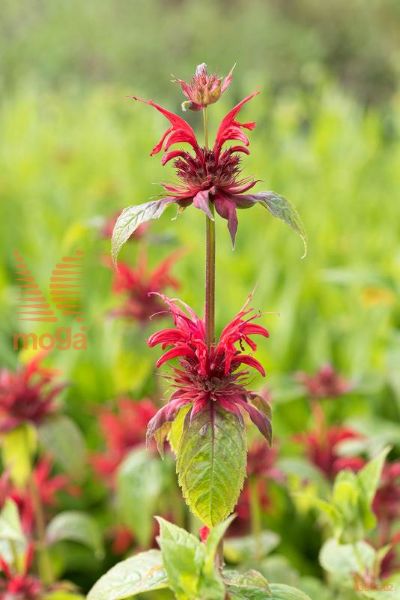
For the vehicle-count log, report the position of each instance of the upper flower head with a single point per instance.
(208, 176)
(210, 376)
(27, 395)
(140, 285)
(204, 89)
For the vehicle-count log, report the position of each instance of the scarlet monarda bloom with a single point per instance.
(204, 89)
(210, 377)
(27, 395)
(20, 586)
(208, 176)
(325, 383)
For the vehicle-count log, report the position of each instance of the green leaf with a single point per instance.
(18, 447)
(245, 548)
(10, 523)
(280, 591)
(247, 586)
(346, 559)
(139, 484)
(64, 441)
(215, 536)
(130, 219)
(211, 464)
(211, 583)
(77, 527)
(63, 596)
(183, 557)
(280, 208)
(176, 429)
(136, 575)
(370, 475)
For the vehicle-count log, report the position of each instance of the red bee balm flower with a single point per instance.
(20, 586)
(325, 383)
(27, 395)
(204, 89)
(212, 376)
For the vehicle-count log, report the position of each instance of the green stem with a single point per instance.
(255, 516)
(45, 568)
(210, 262)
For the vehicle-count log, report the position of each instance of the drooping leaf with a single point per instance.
(246, 586)
(183, 558)
(130, 219)
(281, 208)
(136, 575)
(139, 483)
(18, 447)
(346, 559)
(176, 430)
(62, 439)
(245, 548)
(211, 464)
(77, 527)
(280, 591)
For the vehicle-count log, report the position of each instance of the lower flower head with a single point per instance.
(210, 376)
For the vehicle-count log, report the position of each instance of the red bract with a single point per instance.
(387, 499)
(20, 586)
(122, 430)
(208, 175)
(204, 89)
(325, 383)
(210, 377)
(140, 287)
(322, 450)
(27, 395)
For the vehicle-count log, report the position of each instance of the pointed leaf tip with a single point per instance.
(281, 208)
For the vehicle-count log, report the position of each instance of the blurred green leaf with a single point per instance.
(77, 527)
(18, 447)
(139, 484)
(211, 465)
(346, 559)
(246, 547)
(280, 591)
(62, 439)
(246, 586)
(135, 575)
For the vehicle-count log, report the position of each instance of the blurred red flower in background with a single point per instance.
(204, 89)
(122, 430)
(208, 377)
(48, 486)
(322, 449)
(27, 395)
(140, 287)
(325, 383)
(20, 586)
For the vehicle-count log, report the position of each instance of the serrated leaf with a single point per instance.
(139, 484)
(18, 447)
(136, 575)
(62, 439)
(281, 208)
(280, 591)
(246, 586)
(183, 558)
(211, 464)
(131, 218)
(245, 548)
(176, 429)
(77, 527)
